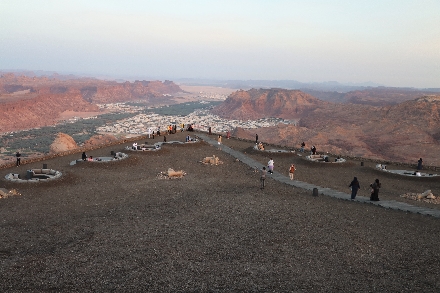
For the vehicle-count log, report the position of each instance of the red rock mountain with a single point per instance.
(260, 103)
(42, 110)
(403, 132)
(29, 102)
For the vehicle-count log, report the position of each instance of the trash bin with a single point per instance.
(112, 153)
(362, 163)
(315, 191)
(29, 174)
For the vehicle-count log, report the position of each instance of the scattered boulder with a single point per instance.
(426, 196)
(175, 174)
(4, 193)
(171, 174)
(99, 140)
(212, 160)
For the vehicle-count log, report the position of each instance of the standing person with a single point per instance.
(292, 171)
(84, 156)
(18, 155)
(313, 150)
(419, 164)
(270, 165)
(219, 140)
(375, 190)
(256, 138)
(355, 186)
(228, 135)
(209, 130)
(164, 138)
(303, 145)
(263, 177)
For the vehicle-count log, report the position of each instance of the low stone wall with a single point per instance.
(360, 159)
(71, 152)
(49, 173)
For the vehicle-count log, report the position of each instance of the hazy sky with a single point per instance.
(391, 42)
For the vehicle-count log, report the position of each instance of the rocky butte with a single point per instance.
(403, 132)
(255, 104)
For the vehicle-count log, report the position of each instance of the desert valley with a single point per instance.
(400, 125)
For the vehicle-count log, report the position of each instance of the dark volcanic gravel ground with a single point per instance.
(117, 227)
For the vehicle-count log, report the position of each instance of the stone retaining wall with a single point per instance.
(360, 159)
(71, 152)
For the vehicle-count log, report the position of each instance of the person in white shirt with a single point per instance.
(270, 165)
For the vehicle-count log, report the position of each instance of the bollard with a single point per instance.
(362, 163)
(315, 191)
(44, 166)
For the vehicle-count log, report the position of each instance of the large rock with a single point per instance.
(99, 140)
(62, 143)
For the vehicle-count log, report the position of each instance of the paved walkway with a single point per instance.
(390, 204)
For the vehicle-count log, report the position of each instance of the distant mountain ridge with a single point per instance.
(403, 132)
(328, 86)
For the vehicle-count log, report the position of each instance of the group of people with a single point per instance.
(374, 192)
(270, 167)
(354, 185)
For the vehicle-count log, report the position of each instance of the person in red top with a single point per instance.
(292, 171)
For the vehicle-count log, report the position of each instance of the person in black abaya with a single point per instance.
(355, 186)
(375, 190)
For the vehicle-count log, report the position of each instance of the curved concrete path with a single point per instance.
(390, 204)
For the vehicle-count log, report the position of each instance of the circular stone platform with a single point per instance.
(144, 147)
(272, 150)
(116, 157)
(157, 146)
(35, 175)
(324, 159)
(383, 168)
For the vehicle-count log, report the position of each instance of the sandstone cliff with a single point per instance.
(40, 111)
(92, 90)
(404, 132)
(255, 104)
(127, 91)
(28, 101)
